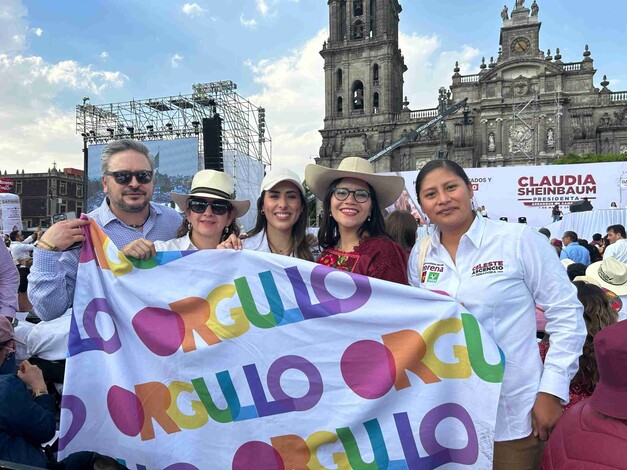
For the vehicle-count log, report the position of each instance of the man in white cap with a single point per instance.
(125, 215)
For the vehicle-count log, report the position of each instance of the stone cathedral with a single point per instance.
(526, 106)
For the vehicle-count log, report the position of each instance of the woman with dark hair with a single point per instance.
(500, 272)
(402, 227)
(281, 225)
(597, 313)
(352, 232)
(210, 217)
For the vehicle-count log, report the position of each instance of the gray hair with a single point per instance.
(120, 146)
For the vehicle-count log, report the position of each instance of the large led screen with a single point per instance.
(176, 162)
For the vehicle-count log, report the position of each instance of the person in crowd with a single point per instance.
(25, 421)
(611, 274)
(613, 205)
(126, 214)
(557, 244)
(402, 227)
(618, 243)
(352, 233)
(573, 250)
(281, 225)
(210, 217)
(500, 272)
(546, 232)
(21, 247)
(7, 240)
(9, 283)
(593, 433)
(597, 239)
(597, 313)
(575, 269)
(592, 250)
(556, 213)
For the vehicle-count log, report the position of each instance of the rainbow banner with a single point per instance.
(218, 359)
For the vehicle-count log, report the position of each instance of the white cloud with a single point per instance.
(252, 23)
(262, 7)
(13, 26)
(293, 91)
(175, 60)
(34, 130)
(193, 10)
(37, 32)
(104, 55)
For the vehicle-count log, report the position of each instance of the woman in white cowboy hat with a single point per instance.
(352, 232)
(281, 225)
(210, 217)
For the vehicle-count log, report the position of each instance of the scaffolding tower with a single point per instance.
(244, 130)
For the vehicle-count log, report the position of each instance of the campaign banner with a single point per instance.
(243, 360)
(532, 191)
(5, 185)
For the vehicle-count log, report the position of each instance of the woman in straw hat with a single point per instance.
(352, 231)
(500, 272)
(210, 217)
(281, 225)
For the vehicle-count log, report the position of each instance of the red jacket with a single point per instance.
(586, 440)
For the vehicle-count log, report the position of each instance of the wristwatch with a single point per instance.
(38, 393)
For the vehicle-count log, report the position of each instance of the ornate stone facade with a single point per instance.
(525, 107)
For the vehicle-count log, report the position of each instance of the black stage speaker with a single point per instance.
(522, 220)
(504, 219)
(212, 143)
(581, 206)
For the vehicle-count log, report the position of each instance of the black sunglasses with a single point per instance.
(125, 177)
(360, 195)
(199, 206)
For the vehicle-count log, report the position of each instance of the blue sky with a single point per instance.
(52, 53)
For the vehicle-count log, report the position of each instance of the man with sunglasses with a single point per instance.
(125, 215)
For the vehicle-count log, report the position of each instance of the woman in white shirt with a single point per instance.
(281, 225)
(210, 217)
(500, 271)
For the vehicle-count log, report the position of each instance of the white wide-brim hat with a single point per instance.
(387, 187)
(278, 175)
(611, 274)
(214, 185)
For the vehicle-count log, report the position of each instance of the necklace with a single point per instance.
(285, 251)
(140, 225)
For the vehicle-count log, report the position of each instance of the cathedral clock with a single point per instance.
(520, 45)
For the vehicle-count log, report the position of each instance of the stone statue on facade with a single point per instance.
(519, 4)
(534, 8)
(550, 138)
(491, 144)
(504, 13)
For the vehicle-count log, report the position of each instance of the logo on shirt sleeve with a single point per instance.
(431, 272)
(491, 267)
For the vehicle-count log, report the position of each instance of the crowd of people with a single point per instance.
(556, 322)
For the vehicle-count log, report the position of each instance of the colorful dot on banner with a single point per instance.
(126, 410)
(257, 455)
(368, 369)
(161, 330)
(118, 263)
(181, 466)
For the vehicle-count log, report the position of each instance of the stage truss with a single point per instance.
(244, 130)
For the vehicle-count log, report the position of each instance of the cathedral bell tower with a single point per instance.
(363, 70)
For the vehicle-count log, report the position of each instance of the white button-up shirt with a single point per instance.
(502, 271)
(617, 250)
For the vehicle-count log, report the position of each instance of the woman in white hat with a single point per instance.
(352, 231)
(210, 217)
(281, 225)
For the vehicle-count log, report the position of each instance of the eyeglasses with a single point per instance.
(199, 206)
(360, 195)
(125, 177)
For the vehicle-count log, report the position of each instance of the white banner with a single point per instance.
(532, 191)
(246, 360)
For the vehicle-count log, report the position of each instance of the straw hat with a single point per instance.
(215, 185)
(611, 274)
(278, 175)
(388, 188)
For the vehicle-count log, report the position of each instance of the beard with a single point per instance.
(121, 204)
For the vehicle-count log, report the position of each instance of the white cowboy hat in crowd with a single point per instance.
(387, 187)
(215, 185)
(611, 274)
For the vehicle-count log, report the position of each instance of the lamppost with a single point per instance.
(84, 134)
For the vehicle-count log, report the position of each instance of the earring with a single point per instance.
(226, 230)
(368, 219)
